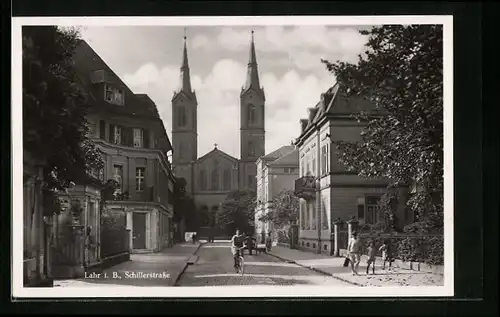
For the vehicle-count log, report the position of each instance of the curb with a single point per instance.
(316, 270)
(186, 265)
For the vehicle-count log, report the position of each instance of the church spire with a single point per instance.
(252, 70)
(185, 80)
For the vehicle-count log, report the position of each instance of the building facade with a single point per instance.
(212, 176)
(276, 172)
(128, 130)
(327, 190)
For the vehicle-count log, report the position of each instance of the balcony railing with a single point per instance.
(305, 187)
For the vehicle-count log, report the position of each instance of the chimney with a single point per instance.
(303, 124)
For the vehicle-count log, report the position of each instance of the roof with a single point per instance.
(335, 103)
(216, 151)
(292, 158)
(279, 152)
(86, 61)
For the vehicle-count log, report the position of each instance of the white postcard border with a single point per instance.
(229, 291)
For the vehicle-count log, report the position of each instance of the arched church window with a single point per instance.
(251, 149)
(214, 179)
(203, 180)
(181, 116)
(227, 180)
(252, 114)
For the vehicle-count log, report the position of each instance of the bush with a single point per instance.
(113, 234)
(427, 249)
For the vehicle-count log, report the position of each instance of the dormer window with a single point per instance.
(114, 95)
(252, 114)
(138, 137)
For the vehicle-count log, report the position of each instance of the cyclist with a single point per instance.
(236, 245)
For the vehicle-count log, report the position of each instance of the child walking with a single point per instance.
(372, 251)
(386, 253)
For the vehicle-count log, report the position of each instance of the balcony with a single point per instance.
(305, 187)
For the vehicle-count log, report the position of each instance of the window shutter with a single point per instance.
(102, 129)
(145, 135)
(111, 133)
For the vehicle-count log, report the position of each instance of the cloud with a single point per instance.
(291, 73)
(299, 46)
(287, 98)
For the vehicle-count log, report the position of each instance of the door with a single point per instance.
(139, 230)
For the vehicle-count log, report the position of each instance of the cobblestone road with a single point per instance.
(214, 267)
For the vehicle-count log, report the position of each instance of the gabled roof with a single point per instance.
(86, 61)
(151, 106)
(278, 153)
(214, 152)
(335, 103)
(291, 158)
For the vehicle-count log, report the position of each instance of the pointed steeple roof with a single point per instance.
(185, 76)
(185, 80)
(252, 80)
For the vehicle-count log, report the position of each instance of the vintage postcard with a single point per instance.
(232, 156)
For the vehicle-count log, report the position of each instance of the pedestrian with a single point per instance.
(353, 250)
(194, 237)
(269, 242)
(386, 253)
(372, 251)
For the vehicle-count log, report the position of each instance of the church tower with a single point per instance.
(184, 124)
(252, 115)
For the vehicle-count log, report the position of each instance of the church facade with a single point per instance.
(212, 176)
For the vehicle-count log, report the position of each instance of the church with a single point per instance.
(213, 175)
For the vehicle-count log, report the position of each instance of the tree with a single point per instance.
(237, 211)
(402, 74)
(54, 107)
(284, 212)
(184, 206)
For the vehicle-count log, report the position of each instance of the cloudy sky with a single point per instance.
(148, 59)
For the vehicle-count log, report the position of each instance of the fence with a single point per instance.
(425, 248)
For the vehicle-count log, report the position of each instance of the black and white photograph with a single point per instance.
(232, 156)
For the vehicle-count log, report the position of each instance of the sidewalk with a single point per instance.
(150, 269)
(333, 266)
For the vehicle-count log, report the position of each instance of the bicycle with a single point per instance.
(240, 264)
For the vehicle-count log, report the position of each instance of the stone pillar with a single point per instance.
(79, 248)
(335, 247)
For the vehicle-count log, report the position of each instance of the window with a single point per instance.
(181, 116)
(214, 179)
(117, 135)
(324, 159)
(252, 112)
(251, 149)
(114, 95)
(303, 166)
(102, 129)
(118, 176)
(203, 180)
(140, 173)
(313, 159)
(289, 170)
(313, 218)
(181, 151)
(138, 137)
(227, 180)
(368, 209)
(308, 166)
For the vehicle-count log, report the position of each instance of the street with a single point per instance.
(214, 267)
